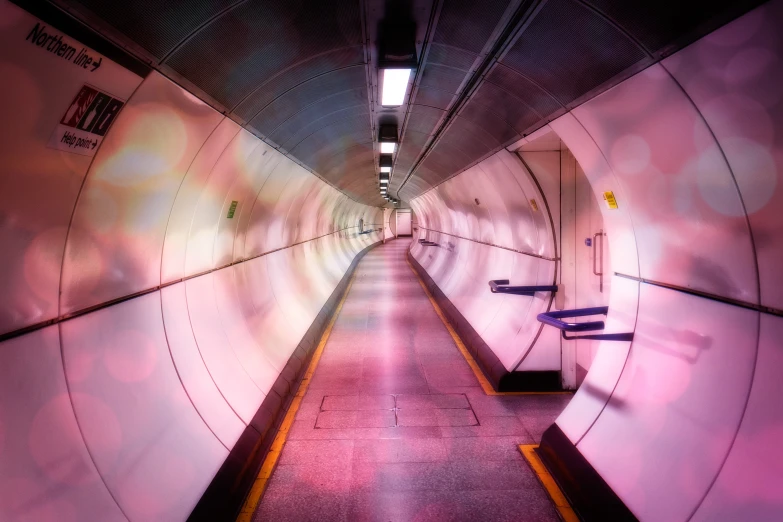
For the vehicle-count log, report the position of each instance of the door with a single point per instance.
(403, 223)
(585, 262)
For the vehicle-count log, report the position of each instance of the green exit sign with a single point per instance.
(232, 209)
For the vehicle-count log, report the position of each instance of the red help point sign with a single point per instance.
(86, 121)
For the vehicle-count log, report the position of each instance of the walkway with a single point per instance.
(394, 425)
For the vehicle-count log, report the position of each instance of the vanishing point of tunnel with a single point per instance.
(391, 260)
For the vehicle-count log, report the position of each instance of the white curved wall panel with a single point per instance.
(688, 219)
(139, 425)
(196, 378)
(264, 221)
(298, 194)
(500, 237)
(229, 375)
(688, 147)
(545, 167)
(291, 290)
(388, 217)
(672, 418)
(544, 343)
(512, 313)
(264, 316)
(39, 185)
(162, 385)
(116, 237)
(749, 485)
(250, 179)
(599, 384)
(249, 351)
(505, 213)
(317, 204)
(179, 226)
(733, 78)
(41, 445)
(211, 208)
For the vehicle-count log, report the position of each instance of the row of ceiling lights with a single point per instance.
(387, 138)
(397, 60)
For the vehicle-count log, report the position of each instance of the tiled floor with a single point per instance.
(394, 425)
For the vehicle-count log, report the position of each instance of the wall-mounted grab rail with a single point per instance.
(596, 251)
(554, 319)
(500, 286)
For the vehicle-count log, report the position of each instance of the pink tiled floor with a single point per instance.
(394, 425)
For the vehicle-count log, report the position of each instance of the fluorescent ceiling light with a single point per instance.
(388, 147)
(385, 169)
(384, 182)
(395, 85)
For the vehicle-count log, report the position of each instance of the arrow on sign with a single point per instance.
(97, 64)
(94, 144)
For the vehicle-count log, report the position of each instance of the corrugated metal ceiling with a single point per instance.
(296, 72)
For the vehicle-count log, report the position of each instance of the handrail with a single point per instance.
(500, 286)
(600, 274)
(554, 319)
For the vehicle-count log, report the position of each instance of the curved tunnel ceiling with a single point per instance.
(300, 74)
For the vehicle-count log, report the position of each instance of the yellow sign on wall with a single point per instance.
(611, 202)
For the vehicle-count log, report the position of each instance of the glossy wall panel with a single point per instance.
(188, 196)
(485, 228)
(749, 485)
(41, 444)
(672, 418)
(688, 148)
(39, 184)
(599, 384)
(211, 209)
(733, 78)
(119, 224)
(688, 217)
(160, 386)
(196, 378)
(137, 421)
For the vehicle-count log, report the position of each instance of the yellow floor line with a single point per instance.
(558, 499)
(251, 502)
(485, 384)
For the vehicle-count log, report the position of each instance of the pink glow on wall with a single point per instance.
(39, 185)
(162, 385)
(489, 240)
(690, 148)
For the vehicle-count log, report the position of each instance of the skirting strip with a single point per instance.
(589, 495)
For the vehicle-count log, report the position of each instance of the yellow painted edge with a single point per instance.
(259, 486)
(562, 505)
(482, 379)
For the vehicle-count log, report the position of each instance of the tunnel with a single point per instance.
(391, 260)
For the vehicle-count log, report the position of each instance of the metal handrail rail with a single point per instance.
(554, 319)
(500, 286)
